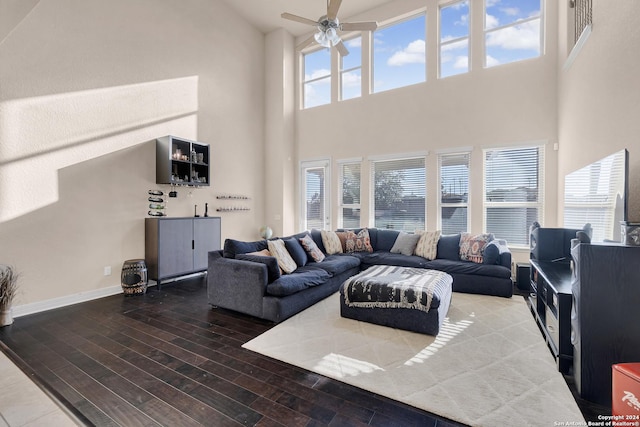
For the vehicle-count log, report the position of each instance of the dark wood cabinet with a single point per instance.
(182, 162)
(605, 316)
(550, 303)
(179, 246)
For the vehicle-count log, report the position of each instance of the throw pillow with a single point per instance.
(449, 247)
(342, 235)
(358, 242)
(273, 270)
(296, 251)
(405, 244)
(278, 250)
(427, 246)
(472, 247)
(331, 242)
(312, 249)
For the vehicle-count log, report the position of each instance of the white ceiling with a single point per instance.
(265, 14)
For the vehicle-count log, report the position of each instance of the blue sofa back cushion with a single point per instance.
(317, 237)
(491, 254)
(449, 247)
(291, 283)
(273, 270)
(296, 251)
(385, 240)
(234, 247)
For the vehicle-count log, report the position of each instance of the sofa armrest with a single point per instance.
(236, 284)
(505, 254)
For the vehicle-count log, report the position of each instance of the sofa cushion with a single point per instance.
(273, 270)
(387, 258)
(316, 235)
(336, 264)
(358, 242)
(385, 240)
(291, 283)
(491, 254)
(331, 242)
(427, 246)
(466, 267)
(405, 244)
(234, 247)
(296, 251)
(279, 251)
(472, 246)
(449, 247)
(312, 248)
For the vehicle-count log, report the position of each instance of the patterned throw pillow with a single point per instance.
(312, 249)
(358, 242)
(279, 251)
(472, 247)
(331, 242)
(427, 246)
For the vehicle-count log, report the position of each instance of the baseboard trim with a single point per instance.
(50, 304)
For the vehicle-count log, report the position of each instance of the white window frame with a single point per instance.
(342, 71)
(304, 167)
(513, 24)
(372, 190)
(455, 40)
(539, 204)
(440, 205)
(303, 98)
(341, 204)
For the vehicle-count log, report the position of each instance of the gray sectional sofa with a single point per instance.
(241, 281)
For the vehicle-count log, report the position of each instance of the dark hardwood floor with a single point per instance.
(167, 358)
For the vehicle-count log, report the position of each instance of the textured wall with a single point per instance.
(87, 85)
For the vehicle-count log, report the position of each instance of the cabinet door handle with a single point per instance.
(193, 245)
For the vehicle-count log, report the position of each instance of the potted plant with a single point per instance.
(8, 289)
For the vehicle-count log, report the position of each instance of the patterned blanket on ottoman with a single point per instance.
(407, 298)
(385, 286)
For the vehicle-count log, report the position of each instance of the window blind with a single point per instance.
(454, 192)
(399, 190)
(349, 195)
(513, 193)
(316, 205)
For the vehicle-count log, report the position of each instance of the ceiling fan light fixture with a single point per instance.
(322, 39)
(332, 35)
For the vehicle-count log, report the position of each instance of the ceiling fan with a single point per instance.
(328, 27)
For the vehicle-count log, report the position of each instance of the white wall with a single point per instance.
(599, 95)
(501, 106)
(86, 86)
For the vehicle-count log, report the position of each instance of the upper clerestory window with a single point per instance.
(513, 31)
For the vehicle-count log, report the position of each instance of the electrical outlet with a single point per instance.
(107, 270)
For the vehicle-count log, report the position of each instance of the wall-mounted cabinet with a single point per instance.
(181, 161)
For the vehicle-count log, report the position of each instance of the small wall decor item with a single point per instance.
(157, 204)
(8, 290)
(134, 277)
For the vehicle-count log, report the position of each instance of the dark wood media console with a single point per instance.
(550, 303)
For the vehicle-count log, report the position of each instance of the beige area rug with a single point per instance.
(489, 366)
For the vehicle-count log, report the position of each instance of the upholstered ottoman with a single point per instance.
(413, 299)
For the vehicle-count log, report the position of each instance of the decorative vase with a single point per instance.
(6, 317)
(266, 232)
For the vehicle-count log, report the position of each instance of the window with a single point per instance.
(454, 39)
(399, 54)
(317, 78)
(512, 31)
(349, 214)
(399, 190)
(580, 18)
(513, 192)
(351, 70)
(315, 189)
(454, 192)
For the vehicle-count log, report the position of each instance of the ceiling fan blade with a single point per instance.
(297, 18)
(359, 26)
(332, 9)
(342, 49)
(305, 43)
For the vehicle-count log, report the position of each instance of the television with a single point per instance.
(598, 194)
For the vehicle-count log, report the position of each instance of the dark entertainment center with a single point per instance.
(586, 301)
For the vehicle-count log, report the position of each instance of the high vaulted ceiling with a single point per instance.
(265, 14)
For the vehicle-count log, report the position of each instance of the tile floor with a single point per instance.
(22, 403)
